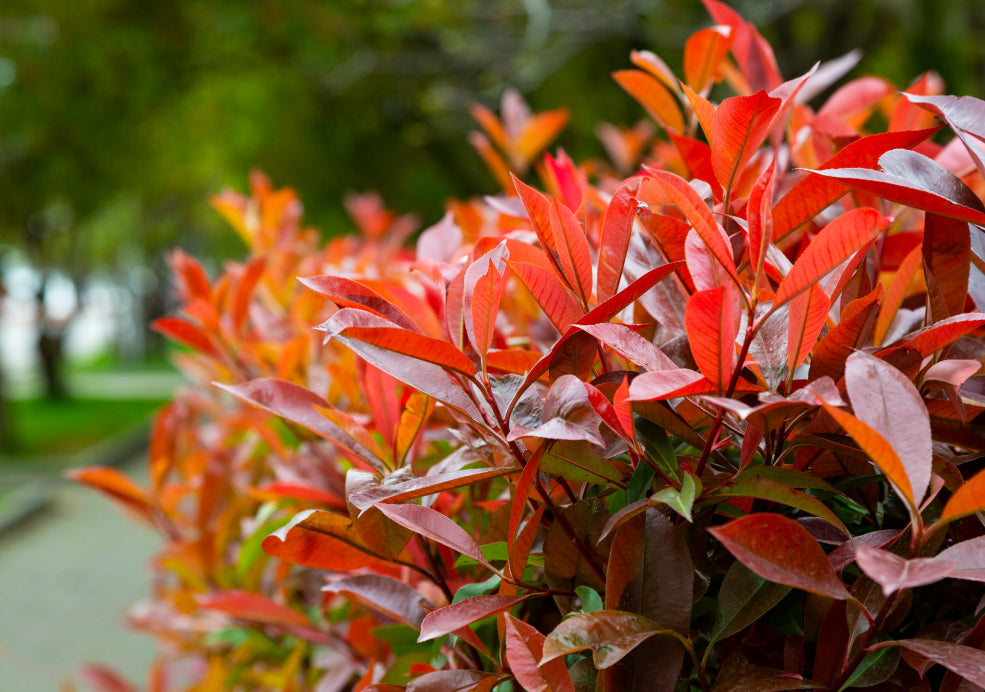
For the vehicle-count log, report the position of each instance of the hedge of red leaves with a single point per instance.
(711, 426)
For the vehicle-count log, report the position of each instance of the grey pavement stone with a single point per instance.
(66, 580)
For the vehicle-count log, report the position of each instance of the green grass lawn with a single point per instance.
(54, 428)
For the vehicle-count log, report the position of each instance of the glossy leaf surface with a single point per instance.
(782, 551)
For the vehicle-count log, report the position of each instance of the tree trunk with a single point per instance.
(51, 351)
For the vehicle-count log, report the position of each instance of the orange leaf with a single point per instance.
(322, 540)
(897, 292)
(541, 130)
(550, 293)
(740, 125)
(837, 241)
(186, 333)
(653, 96)
(245, 286)
(120, 489)
(879, 450)
(712, 322)
(808, 313)
(412, 421)
(967, 499)
(571, 244)
(703, 54)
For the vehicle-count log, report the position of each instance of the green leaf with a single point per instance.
(681, 501)
(875, 668)
(657, 447)
(744, 597)
(477, 589)
(590, 599)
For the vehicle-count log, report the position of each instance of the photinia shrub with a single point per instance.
(715, 425)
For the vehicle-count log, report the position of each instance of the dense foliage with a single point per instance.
(711, 426)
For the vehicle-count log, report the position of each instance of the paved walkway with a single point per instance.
(66, 580)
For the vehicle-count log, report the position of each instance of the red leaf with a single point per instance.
(610, 634)
(538, 209)
(703, 55)
(452, 617)
(617, 226)
(521, 492)
(321, 540)
(947, 261)
(712, 322)
(386, 595)
(916, 181)
(753, 53)
(104, 679)
(567, 414)
(967, 559)
(676, 191)
(671, 384)
(894, 573)
(571, 245)
(184, 332)
(630, 345)
(964, 114)
(299, 405)
(194, 282)
(351, 324)
(432, 524)
(967, 662)
(740, 125)
(885, 399)
(349, 293)
(413, 488)
(760, 218)
(649, 572)
(554, 298)
(782, 551)
(306, 493)
(851, 104)
(697, 157)
(602, 313)
(454, 681)
(836, 242)
(829, 355)
(814, 193)
(524, 649)
(706, 271)
(808, 314)
(414, 359)
(483, 291)
(909, 115)
(943, 333)
(254, 607)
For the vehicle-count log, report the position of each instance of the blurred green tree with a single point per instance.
(121, 116)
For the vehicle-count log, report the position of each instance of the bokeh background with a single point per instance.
(119, 118)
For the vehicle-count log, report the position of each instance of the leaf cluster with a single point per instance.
(713, 426)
